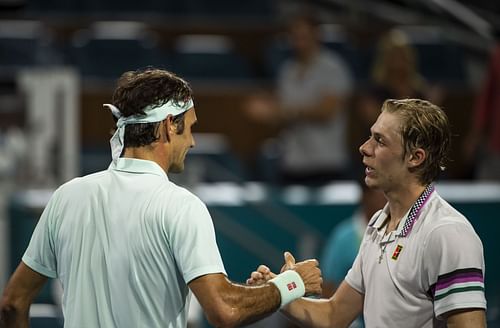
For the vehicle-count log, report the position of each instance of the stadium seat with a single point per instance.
(439, 59)
(107, 49)
(24, 43)
(226, 8)
(202, 57)
(441, 62)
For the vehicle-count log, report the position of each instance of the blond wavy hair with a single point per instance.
(423, 125)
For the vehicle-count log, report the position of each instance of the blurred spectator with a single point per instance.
(395, 75)
(483, 142)
(13, 138)
(343, 243)
(344, 240)
(309, 107)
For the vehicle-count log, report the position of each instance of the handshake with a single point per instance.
(294, 281)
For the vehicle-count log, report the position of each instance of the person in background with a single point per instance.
(482, 145)
(342, 245)
(128, 245)
(420, 263)
(309, 106)
(395, 75)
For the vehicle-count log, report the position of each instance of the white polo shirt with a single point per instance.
(124, 242)
(431, 264)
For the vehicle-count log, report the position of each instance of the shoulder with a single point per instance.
(178, 193)
(439, 213)
(77, 186)
(171, 197)
(444, 225)
(82, 182)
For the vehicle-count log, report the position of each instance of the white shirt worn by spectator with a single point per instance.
(313, 146)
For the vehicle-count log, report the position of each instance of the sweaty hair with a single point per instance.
(139, 89)
(423, 125)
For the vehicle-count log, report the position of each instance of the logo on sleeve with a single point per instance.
(396, 253)
(291, 286)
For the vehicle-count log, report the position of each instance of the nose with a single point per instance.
(363, 149)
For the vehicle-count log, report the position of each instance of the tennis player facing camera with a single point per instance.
(128, 244)
(420, 263)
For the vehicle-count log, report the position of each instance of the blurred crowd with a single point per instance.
(286, 102)
(307, 97)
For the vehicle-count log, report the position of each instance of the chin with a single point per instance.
(370, 183)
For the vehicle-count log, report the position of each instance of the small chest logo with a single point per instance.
(396, 253)
(291, 286)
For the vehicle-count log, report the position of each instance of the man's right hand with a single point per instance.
(308, 271)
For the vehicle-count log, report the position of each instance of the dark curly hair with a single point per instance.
(139, 89)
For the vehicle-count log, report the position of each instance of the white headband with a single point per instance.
(153, 114)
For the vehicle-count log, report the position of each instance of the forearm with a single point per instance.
(249, 304)
(13, 316)
(310, 313)
(18, 296)
(227, 304)
(338, 311)
(312, 114)
(327, 108)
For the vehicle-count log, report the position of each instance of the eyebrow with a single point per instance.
(378, 135)
(375, 133)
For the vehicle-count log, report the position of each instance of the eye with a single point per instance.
(379, 140)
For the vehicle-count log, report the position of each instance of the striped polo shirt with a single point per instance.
(431, 264)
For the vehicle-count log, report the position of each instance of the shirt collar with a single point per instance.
(134, 165)
(409, 219)
(382, 218)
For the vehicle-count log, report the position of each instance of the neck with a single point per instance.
(150, 153)
(400, 201)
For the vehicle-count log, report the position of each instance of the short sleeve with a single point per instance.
(40, 254)
(193, 241)
(454, 268)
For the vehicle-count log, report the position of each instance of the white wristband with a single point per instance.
(290, 285)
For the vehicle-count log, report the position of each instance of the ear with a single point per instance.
(168, 127)
(416, 158)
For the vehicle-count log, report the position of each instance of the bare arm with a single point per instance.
(267, 109)
(227, 304)
(338, 311)
(328, 106)
(467, 318)
(18, 296)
